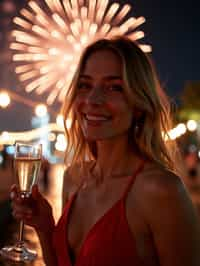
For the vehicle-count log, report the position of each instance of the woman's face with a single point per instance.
(101, 105)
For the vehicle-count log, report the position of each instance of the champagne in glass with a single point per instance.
(27, 161)
(26, 170)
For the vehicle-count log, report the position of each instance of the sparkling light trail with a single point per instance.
(49, 39)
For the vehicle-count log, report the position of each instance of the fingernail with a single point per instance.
(13, 186)
(12, 194)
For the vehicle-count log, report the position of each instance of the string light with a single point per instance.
(9, 138)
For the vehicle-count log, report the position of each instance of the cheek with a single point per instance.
(78, 104)
(128, 115)
(123, 114)
(120, 108)
(113, 104)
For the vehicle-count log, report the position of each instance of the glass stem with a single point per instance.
(21, 233)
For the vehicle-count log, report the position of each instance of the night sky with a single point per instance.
(172, 28)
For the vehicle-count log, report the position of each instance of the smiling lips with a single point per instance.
(96, 118)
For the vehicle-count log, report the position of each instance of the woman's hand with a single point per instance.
(35, 210)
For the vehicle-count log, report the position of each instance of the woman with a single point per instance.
(124, 203)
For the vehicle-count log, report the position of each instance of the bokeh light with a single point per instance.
(192, 125)
(4, 99)
(41, 110)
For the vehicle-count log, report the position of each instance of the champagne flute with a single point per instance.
(27, 162)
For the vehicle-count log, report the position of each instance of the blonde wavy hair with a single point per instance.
(144, 94)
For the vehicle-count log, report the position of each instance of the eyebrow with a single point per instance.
(107, 78)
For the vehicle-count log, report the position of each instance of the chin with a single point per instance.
(99, 137)
(95, 138)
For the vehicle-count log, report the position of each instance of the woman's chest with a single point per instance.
(87, 211)
(87, 214)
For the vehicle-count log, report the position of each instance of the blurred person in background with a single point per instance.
(123, 200)
(192, 178)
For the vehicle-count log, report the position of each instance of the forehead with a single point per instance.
(103, 63)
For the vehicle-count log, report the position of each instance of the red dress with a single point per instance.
(108, 243)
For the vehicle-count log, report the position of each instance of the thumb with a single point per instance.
(14, 191)
(14, 188)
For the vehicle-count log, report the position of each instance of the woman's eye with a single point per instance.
(83, 86)
(116, 87)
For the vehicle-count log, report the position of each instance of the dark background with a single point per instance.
(172, 28)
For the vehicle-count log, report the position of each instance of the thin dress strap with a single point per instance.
(138, 170)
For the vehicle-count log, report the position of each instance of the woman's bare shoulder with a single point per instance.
(159, 181)
(163, 195)
(160, 189)
(168, 210)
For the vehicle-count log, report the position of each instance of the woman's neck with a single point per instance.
(115, 159)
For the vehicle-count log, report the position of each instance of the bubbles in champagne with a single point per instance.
(27, 171)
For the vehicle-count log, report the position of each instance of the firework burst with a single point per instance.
(49, 38)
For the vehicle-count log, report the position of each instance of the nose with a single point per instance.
(96, 96)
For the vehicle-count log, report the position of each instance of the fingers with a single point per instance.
(19, 210)
(14, 192)
(22, 214)
(20, 206)
(15, 195)
(35, 192)
(13, 187)
(28, 209)
(36, 195)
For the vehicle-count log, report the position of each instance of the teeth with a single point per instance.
(96, 118)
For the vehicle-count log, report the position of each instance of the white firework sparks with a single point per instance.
(49, 39)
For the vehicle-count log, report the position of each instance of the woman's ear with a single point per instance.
(137, 114)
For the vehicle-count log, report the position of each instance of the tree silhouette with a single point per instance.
(190, 101)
